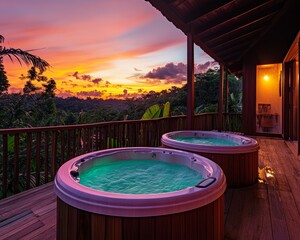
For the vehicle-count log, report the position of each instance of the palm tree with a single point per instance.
(21, 56)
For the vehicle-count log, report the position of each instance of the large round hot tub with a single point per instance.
(152, 193)
(237, 155)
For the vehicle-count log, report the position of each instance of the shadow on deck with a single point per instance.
(269, 209)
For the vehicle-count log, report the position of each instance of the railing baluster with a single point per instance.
(53, 154)
(38, 159)
(84, 140)
(4, 166)
(68, 144)
(97, 138)
(28, 159)
(74, 149)
(104, 137)
(77, 147)
(46, 156)
(89, 143)
(62, 147)
(16, 163)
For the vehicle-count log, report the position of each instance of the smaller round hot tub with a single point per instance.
(140, 193)
(237, 155)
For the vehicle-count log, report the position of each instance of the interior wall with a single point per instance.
(269, 98)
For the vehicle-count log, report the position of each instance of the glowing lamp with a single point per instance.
(266, 78)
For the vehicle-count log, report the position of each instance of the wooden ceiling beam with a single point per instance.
(288, 7)
(243, 37)
(178, 2)
(234, 50)
(239, 31)
(204, 9)
(246, 16)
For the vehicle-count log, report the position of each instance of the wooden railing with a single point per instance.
(30, 157)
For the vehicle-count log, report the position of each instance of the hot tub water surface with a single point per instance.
(140, 177)
(207, 141)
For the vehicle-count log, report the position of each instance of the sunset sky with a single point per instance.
(97, 48)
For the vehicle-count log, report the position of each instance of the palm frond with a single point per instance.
(1, 39)
(27, 58)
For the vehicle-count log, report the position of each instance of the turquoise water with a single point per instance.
(207, 141)
(140, 177)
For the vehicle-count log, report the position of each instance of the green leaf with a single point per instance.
(152, 112)
(166, 111)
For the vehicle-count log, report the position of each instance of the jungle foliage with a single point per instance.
(38, 106)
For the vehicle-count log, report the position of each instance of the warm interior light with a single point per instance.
(266, 77)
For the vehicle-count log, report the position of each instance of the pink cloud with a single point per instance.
(174, 73)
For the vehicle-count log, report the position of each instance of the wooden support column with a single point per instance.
(221, 98)
(226, 92)
(190, 83)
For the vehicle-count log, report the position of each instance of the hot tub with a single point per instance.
(194, 212)
(237, 155)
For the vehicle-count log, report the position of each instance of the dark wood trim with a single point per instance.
(190, 82)
(221, 98)
(298, 107)
(285, 101)
(289, 103)
(249, 99)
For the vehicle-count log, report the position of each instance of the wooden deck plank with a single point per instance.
(44, 233)
(269, 209)
(291, 214)
(21, 227)
(293, 146)
(249, 217)
(279, 225)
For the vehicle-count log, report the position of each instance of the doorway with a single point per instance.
(269, 99)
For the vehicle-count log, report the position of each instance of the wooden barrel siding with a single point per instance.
(206, 222)
(241, 169)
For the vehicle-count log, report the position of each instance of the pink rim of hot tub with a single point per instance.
(246, 144)
(140, 205)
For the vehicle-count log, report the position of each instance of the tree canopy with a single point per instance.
(20, 56)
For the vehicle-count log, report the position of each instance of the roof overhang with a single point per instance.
(231, 30)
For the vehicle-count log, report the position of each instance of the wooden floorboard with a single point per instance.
(269, 209)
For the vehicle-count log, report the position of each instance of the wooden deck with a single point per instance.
(269, 209)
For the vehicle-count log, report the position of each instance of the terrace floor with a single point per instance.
(269, 209)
